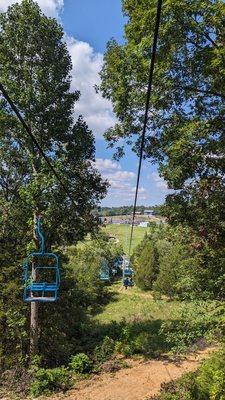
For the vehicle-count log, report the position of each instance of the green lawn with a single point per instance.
(122, 233)
(141, 325)
(135, 304)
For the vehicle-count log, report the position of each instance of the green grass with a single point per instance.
(138, 305)
(122, 233)
(138, 324)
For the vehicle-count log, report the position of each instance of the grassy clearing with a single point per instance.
(138, 324)
(122, 233)
(135, 304)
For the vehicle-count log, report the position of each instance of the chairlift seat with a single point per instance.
(48, 287)
(104, 271)
(38, 290)
(128, 272)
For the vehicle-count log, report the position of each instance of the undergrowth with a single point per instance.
(104, 347)
(208, 383)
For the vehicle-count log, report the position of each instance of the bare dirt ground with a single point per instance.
(140, 381)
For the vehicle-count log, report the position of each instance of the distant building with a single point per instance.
(118, 221)
(143, 224)
(149, 212)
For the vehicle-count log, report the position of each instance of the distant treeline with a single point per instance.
(126, 210)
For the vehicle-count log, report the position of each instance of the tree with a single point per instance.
(186, 125)
(35, 68)
(146, 265)
(169, 269)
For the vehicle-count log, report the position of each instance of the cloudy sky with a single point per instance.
(88, 25)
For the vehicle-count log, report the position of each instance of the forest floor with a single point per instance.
(139, 381)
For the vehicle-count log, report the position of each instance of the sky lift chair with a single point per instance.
(41, 272)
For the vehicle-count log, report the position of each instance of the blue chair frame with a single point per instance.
(104, 271)
(34, 289)
(128, 272)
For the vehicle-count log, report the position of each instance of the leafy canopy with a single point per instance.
(186, 125)
(35, 68)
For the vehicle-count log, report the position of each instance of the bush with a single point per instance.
(194, 323)
(81, 364)
(207, 383)
(104, 351)
(47, 381)
(211, 377)
(184, 388)
(143, 343)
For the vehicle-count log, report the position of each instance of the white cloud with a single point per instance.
(112, 171)
(141, 190)
(119, 179)
(122, 183)
(50, 7)
(87, 64)
(121, 175)
(160, 183)
(106, 164)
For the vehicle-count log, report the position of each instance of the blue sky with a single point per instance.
(88, 25)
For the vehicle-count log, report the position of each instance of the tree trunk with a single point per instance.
(34, 325)
(34, 329)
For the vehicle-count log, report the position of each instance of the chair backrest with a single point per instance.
(41, 277)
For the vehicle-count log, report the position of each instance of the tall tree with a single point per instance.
(186, 133)
(35, 69)
(146, 265)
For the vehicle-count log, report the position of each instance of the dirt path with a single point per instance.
(141, 380)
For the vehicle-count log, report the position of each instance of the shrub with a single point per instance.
(81, 364)
(194, 323)
(143, 343)
(47, 381)
(207, 383)
(211, 377)
(104, 351)
(125, 348)
(184, 388)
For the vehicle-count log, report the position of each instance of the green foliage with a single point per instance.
(143, 326)
(169, 269)
(84, 261)
(139, 339)
(207, 383)
(185, 134)
(184, 388)
(47, 381)
(185, 265)
(81, 363)
(146, 266)
(35, 70)
(211, 377)
(193, 324)
(104, 351)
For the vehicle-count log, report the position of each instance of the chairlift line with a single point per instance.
(149, 91)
